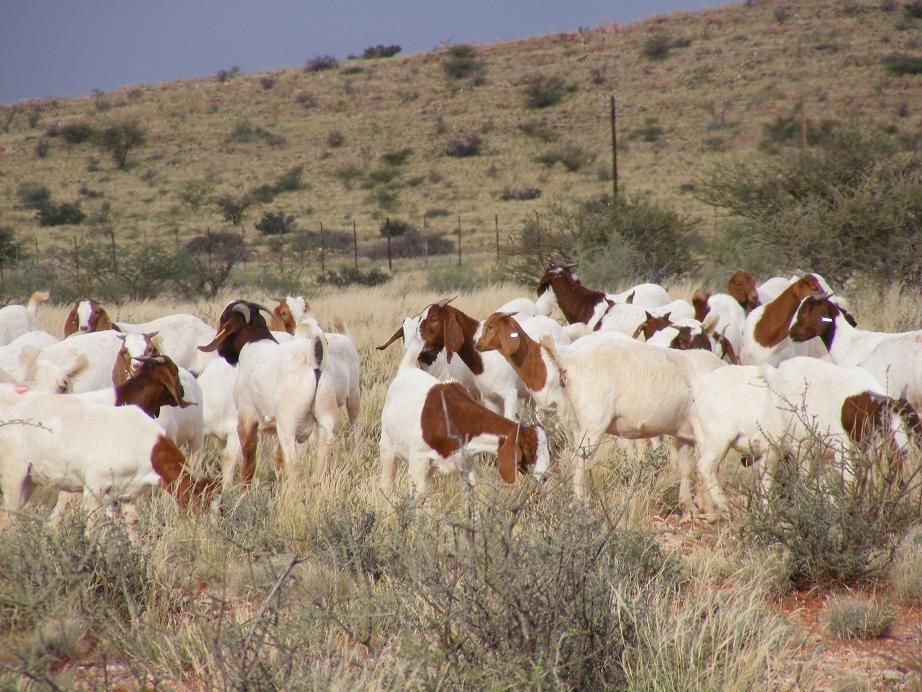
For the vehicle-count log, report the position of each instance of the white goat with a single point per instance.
(100, 350)
(16, 320)
(895, 359)
(438, 426)
(607, 383)
(108, 454)
(766, 412)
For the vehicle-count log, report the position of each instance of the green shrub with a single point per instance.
(395, 227)
(659, 45)
(906, 571)
(350, 276)
(461, 62)
(901, 64)
(572, 156)
(121, 138)
(913, 9)
(335, 139)
(33, 195)
(542, 91)
(267, 82)
(520, 193)
(849, 617)
(290, 180)
(76, 133)
(233, 207)
(275, 223)
(851, 206)
(245, 132)
(539, 129)
(226, 75)
(321, 63)
(650, 132)
(41, 148)
(464, 146)
(380, 51)
(52, 214)
(398, 157)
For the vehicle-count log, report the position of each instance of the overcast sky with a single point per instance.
(71, 47)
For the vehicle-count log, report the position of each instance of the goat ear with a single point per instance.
(647, 313)
(70, 322)
(103, 321)
(848, 316)
(639, 330)
(630, 298)
(510, 341)
(507, 459)
(216, 342)
(452, 335)
(396, 335)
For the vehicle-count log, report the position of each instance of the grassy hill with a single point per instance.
(695, 90)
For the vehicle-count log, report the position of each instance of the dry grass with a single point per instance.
(734, 69)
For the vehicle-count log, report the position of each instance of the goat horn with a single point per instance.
(244, 310)
(396, 335)
(445, 301)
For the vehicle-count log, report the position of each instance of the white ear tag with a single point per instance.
(826, 319)
(513, 333)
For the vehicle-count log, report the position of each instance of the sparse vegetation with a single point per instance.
(901, 64)
(234, 207)
(461, 62)
(226, 75)
(849, 617)
(335, 139)
(321, 63)
(520, 193)
(275, 223)
(659, 45)
(464, 146)
(120, 139)
(543, 91)
(380, 51)
(572, 156)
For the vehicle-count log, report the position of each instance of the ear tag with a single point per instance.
(513, 333)
(826, 319)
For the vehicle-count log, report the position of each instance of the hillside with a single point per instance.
(694, 90)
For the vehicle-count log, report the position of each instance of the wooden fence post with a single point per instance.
(390, 266)
(496, 226)
(323, 264)
(614, 152)
(355, 245)
(459, 240)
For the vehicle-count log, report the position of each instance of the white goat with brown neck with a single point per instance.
(438, 426)
(596, 385)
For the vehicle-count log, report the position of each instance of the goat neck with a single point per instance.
(577, 303)
(772, 326)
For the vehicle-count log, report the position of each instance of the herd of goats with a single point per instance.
(113, 408)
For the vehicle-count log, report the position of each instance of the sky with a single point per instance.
(69, 48)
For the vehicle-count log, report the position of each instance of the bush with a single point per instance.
(901, 64)
(11, 250)
(460, 62)
(245, 132)
(42, 147)
(633, 240)
(233, 208)
(906, 572)
(380, 51)
(225, 75)
(848, 207)
(275, 223)
(398, 157)
(657, 46)
(52, 214)
(913, 9)
(785, 130)
(847, 617)
(335, 139)
(836, 531)
(570, 155)
(539, 130)
(76, 133)
(463, 146)
(290, 180)
(33, 195)
(650, 132)
(121, 138)
(520, 193)
(320, 63)
(395, 227)
(350, 276)
(542, 91)
(267, 82)
(411, 243)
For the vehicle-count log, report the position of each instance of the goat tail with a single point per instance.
(340, 327)
(36, 299)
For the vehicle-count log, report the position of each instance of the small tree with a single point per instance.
(275, 223)
(195, 192)
(10, 248)
(121, 138)
(380, 51)
(234, 208)
(208, 261)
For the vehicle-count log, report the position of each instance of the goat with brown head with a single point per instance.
(87, 316)
(240, 324)
(742, 286)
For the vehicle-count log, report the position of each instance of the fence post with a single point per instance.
(115, 253)
(323, 265)
(425, 242)
(355, 245)
(459, 240)
(496, 226)
(803, 124)
(614, 152)
(390, 266)
(76, 257)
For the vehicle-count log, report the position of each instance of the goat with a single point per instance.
(287, 314)
(99, 349)
(727, 331)
(765, 334)
(178, 335)
(16, 320)
(184, 424)
(596, 385)
(275, 389)
(437, 425)
(40, 375)
(559, 286)
(525, 307)
(895, 359)
(106, 453)
(766, 413)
